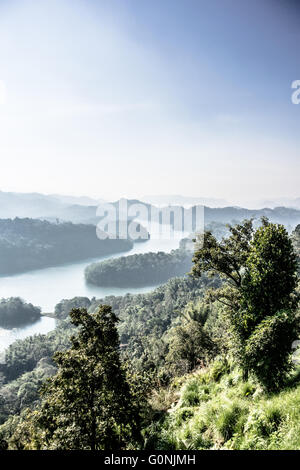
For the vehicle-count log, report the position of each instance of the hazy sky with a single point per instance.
(114, 98)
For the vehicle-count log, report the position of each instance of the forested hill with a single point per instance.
(140, 269)
(31, 244)
(14, 312)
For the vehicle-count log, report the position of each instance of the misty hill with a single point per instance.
(185, 201)
(283, 201)
(53, 207)
(145, 269)
(36, 205)
(77, 200)
(28, 205)
(281, 215)
(231, 214)
(27, 244)
(179, 200)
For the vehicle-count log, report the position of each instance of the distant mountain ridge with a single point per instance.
(233, 214)
(283, 215)
(49, 207)
(178, 200)
(53, 207)
(280, 202)
(76, 200)
(188, 201)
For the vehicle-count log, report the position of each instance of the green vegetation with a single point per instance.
(146, 319)
(143, 327)
(23, 392)
(203, 362)
(259, 269)
(15, 312)
(31, 244)
(23, 355)
(139, 270)
(214, 408)
(296, 242)
(64, 307)
(88, 404)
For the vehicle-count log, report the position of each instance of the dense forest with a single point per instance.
(31, 244)
(203, 362)
(15, 312)
(148, 269)
(140, 269)
(143, 318)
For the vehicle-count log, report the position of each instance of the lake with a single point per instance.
(46, 287)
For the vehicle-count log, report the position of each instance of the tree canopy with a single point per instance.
(88, 404)
(259, 270)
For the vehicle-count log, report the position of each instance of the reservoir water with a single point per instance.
(46, 287)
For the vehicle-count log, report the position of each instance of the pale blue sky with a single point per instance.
(115, 98)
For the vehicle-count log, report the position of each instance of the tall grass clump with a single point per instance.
(217, 409)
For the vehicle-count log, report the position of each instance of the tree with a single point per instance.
(189, 342)
(64, 307)
(225, 259)
(270, 277)
(259, 272)
(296, 243)
(88, 404)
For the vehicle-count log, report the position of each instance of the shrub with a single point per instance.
(227, 420)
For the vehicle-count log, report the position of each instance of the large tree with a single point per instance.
(259, 270)
(89, 403)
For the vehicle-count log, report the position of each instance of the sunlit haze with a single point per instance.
(127, 97)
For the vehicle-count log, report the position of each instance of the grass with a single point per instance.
(216, 409)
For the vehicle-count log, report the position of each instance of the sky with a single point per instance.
(123, 98)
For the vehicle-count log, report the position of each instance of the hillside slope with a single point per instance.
(215, 409)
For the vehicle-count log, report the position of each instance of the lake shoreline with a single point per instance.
(46, 287)
(48, 314)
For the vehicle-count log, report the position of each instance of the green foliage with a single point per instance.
(98, 393)
(144, 323)
(190, 343)
(139, 269)
(296, 243)
(23, 355)
(227, 257)
(146, 318)
(218, 369)
(271, 275)
(32, 243)
(268, 349)
(23, 392)
(259, 268)
(64, 307)
(15, 312)
(228, 419)
(88, 403)
(213, 415)
(269, 300)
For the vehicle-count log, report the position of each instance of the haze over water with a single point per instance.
(46, 287)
